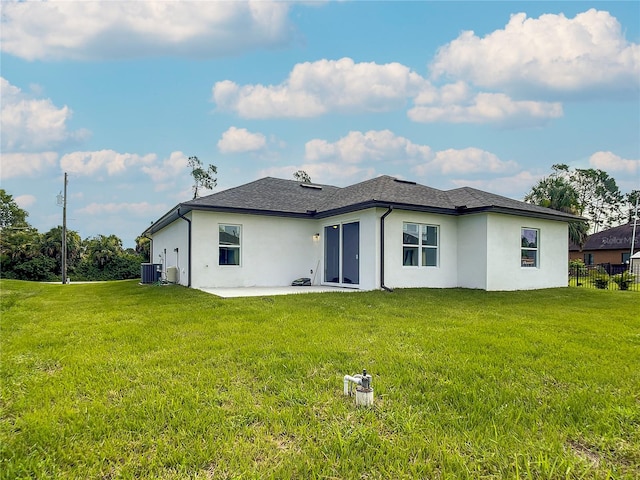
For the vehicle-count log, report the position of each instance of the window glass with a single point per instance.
(529, 238)
(529, 254)
(229, 244)
(410, 256)
(425, 239)
(429, 257)
(229, 235)
(229, 256)
(410, 234)
(430, 235)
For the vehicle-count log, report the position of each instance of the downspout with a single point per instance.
(189, 242)
(382, 285)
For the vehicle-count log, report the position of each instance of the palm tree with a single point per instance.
(557, 193)
(102, 249)
(51, 246)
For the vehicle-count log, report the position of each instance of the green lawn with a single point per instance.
(119, 380)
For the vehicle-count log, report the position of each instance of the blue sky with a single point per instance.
(448, 94)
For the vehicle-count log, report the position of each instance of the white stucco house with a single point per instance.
(382, 233)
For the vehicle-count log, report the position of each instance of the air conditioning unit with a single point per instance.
(172, 274)
(150, 272)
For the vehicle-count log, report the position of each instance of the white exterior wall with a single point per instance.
(504, 271)
(445, 275)
(472, 251)
(475, 251)
(274, 251)
(167, 240)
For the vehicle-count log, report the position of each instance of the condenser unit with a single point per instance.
(172, 275)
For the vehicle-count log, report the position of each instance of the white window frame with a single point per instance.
(420, 246)
(525, 262)
(237, 247)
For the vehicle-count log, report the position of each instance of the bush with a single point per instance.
(125, 266)
(623, 280)
(577, 268)
(600, 278)
(37, 269)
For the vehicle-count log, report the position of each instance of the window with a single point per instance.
(626, 256)
(419, 245)
(588, 258)
(530, 247)
(229, 244)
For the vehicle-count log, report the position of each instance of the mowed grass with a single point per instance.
(119, 380)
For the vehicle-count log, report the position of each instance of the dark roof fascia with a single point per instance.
(557, 216)
(252, 211)
(168, 218)
(172, 215)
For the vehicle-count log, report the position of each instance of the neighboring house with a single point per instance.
(612, 246)
(381, 233)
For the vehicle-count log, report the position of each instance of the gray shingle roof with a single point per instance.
(268, 195)
(478, 199)
(387, 190)
(274, 196)
(616, 238)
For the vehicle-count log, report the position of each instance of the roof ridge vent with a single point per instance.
(311, 185)
(408, 182)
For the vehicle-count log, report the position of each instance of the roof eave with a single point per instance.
(552, 215)
(166, 219)
(173, 214)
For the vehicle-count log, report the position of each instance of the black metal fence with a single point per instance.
(604, 276)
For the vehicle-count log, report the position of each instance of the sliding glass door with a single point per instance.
(342, 254)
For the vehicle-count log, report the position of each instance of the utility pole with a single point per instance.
(64, 232)
(633, 234)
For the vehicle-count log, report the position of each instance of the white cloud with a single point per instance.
(30, 124)
(140, 209)
(106, 29)
(316, 88)
(169, 168)
(513, 186)
(26, 164)
(343, 86)
(467, 160)
(551, 52)
(609, 161)
(25, 201)
(238, 140)
(92, 163)
(486, 108)
(382, 145)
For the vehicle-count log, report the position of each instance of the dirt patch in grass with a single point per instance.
(585, 453)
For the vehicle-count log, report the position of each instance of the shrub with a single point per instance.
(577, 268)
(600, 278)
(38, 269)
(623, 280)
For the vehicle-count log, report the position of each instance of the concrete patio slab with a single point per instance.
(269, 291)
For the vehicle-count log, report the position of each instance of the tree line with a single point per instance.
(589, 193)
(26, 254)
